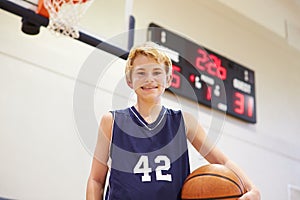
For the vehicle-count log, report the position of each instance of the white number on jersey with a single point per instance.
(142, 167)
(160, 168)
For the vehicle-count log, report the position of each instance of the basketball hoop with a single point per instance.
(64, 15)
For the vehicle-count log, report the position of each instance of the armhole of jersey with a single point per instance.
(183, 120)
(112, 132)
(113, 123)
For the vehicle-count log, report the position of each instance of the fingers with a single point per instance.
(250, 196)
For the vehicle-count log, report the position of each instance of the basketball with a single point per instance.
(212, 181)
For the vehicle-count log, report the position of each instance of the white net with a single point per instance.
(64, 15)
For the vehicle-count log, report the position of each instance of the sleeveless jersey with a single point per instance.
(148, 161)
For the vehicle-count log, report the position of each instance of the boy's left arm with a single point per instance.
(252, 190)
(197, 136)
(217, 157)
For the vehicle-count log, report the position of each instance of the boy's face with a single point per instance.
(148, 78)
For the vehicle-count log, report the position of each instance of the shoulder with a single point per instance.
(190, 121)
(120, 112)
(188, 116)
(106, 124)
(170, 111)
(107, 117)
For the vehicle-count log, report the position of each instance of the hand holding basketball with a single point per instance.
(251, 195)
(213, 181)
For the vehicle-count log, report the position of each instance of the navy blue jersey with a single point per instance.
(148, 161)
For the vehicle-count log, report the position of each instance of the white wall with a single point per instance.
(45, 156)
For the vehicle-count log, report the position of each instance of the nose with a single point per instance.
(149, 77)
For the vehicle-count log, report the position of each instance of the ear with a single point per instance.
(129, 83)
(169, 81)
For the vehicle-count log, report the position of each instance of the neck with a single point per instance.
(148, 110)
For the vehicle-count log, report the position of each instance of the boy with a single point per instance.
(146, 144)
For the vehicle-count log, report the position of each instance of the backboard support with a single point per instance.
(31, 23)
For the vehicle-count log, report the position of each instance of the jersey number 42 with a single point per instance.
(163, 164)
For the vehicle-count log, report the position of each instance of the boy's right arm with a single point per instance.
(96, 181)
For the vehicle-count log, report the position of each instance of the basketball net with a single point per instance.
(64, 15)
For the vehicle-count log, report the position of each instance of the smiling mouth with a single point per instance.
(149, 88)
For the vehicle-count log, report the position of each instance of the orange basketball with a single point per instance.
(212, 181)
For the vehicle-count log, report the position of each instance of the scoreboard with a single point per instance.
(204, 76)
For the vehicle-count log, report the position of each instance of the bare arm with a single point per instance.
(96, 181)
(197, 136)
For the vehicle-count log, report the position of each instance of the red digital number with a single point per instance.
(176, 78)
(208, 93)
(239, 103)
(250, 106)
(211, 64)
(243, 102)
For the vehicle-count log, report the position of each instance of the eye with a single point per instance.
(141, 73)
(157, 73)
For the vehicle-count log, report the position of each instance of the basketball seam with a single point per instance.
(217, 175)
(239, 179)
(224, 197)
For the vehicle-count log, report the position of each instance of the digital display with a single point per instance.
(204, 76)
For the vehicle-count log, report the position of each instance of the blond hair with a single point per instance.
(152, 50)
